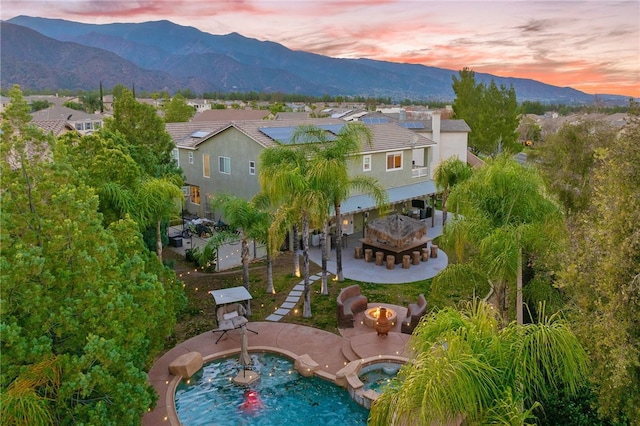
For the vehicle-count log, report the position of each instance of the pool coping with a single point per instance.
(323, 348)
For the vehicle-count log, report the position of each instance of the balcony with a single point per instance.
(417, 172)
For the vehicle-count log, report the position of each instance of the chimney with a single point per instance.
(435, 126)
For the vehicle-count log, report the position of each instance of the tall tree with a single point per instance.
(566, 160)
(285, 179)
(330, 173)
(149, 143)
(246, 217)
(491, 112)
(447, 174)
(465, 368)
(92, 298)
(602, 274)
(177, 111)
(508, 220)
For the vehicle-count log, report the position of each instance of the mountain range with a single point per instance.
(54, 54)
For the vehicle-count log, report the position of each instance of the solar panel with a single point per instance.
(279, 134)
(199, 134)
(333, 128)
(284, 135)
(412, 124)
(374, 120)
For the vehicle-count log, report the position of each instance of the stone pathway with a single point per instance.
(292, 299)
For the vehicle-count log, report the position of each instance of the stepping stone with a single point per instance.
(293, 299)
(274, 317)
(288, 305)
(283, 312)
(315, 277)
(299, 287)
(295, 293)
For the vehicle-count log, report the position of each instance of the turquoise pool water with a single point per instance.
(377, 376)
(286, 397)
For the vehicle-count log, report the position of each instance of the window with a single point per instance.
(88, 125)
(195, 194)
(206, 166)
(174, 154)
(224, 165)
(191, 158)
(79, 126)
(366, 163)
(394, 161)
(252, 167)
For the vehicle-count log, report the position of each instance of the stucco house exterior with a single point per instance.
(222, 157)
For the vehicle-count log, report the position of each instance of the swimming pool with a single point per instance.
(286, 397)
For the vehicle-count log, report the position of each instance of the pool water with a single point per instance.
(377, 376)
(286, 397)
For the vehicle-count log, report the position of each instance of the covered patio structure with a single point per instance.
(397, 235)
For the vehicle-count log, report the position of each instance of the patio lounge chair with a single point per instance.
(230, 317)
(415, 311)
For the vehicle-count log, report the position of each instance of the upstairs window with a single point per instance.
(252, 167)
(224, 165)
(191, 158)
(394, 161)
(366, 163)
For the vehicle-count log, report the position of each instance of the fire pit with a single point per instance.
(371, 316)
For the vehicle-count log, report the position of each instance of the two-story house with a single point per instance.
(222, 157)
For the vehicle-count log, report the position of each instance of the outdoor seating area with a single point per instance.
(395, 239)
(230, 314)
(350, 302)
(415, 311)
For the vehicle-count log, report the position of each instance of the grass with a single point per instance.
(199, 315)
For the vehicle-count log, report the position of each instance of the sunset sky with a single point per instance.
(593, 46)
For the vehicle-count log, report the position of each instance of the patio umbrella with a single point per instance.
(245, 358)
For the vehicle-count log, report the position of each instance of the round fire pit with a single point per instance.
(371, 316)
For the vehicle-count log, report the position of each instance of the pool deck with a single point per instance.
(329, 350)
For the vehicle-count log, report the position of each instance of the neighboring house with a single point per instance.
(199, 104)
(56, 127)
(4, 103)
(81, 121)
(222, 157)
(231, 115)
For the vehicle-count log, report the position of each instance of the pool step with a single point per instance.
(348, 353)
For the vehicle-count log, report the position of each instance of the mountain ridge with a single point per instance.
(183, 57)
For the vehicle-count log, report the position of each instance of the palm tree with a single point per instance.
(157, 199)
(243, 215)
(464, 367)
(504, 213)
(447, 174)
(285, 179)
(330, 172)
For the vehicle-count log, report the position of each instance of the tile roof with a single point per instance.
(386, 137)
(230, 115)
(63, 113)
(57, 127)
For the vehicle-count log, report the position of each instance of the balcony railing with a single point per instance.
(417, 172)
